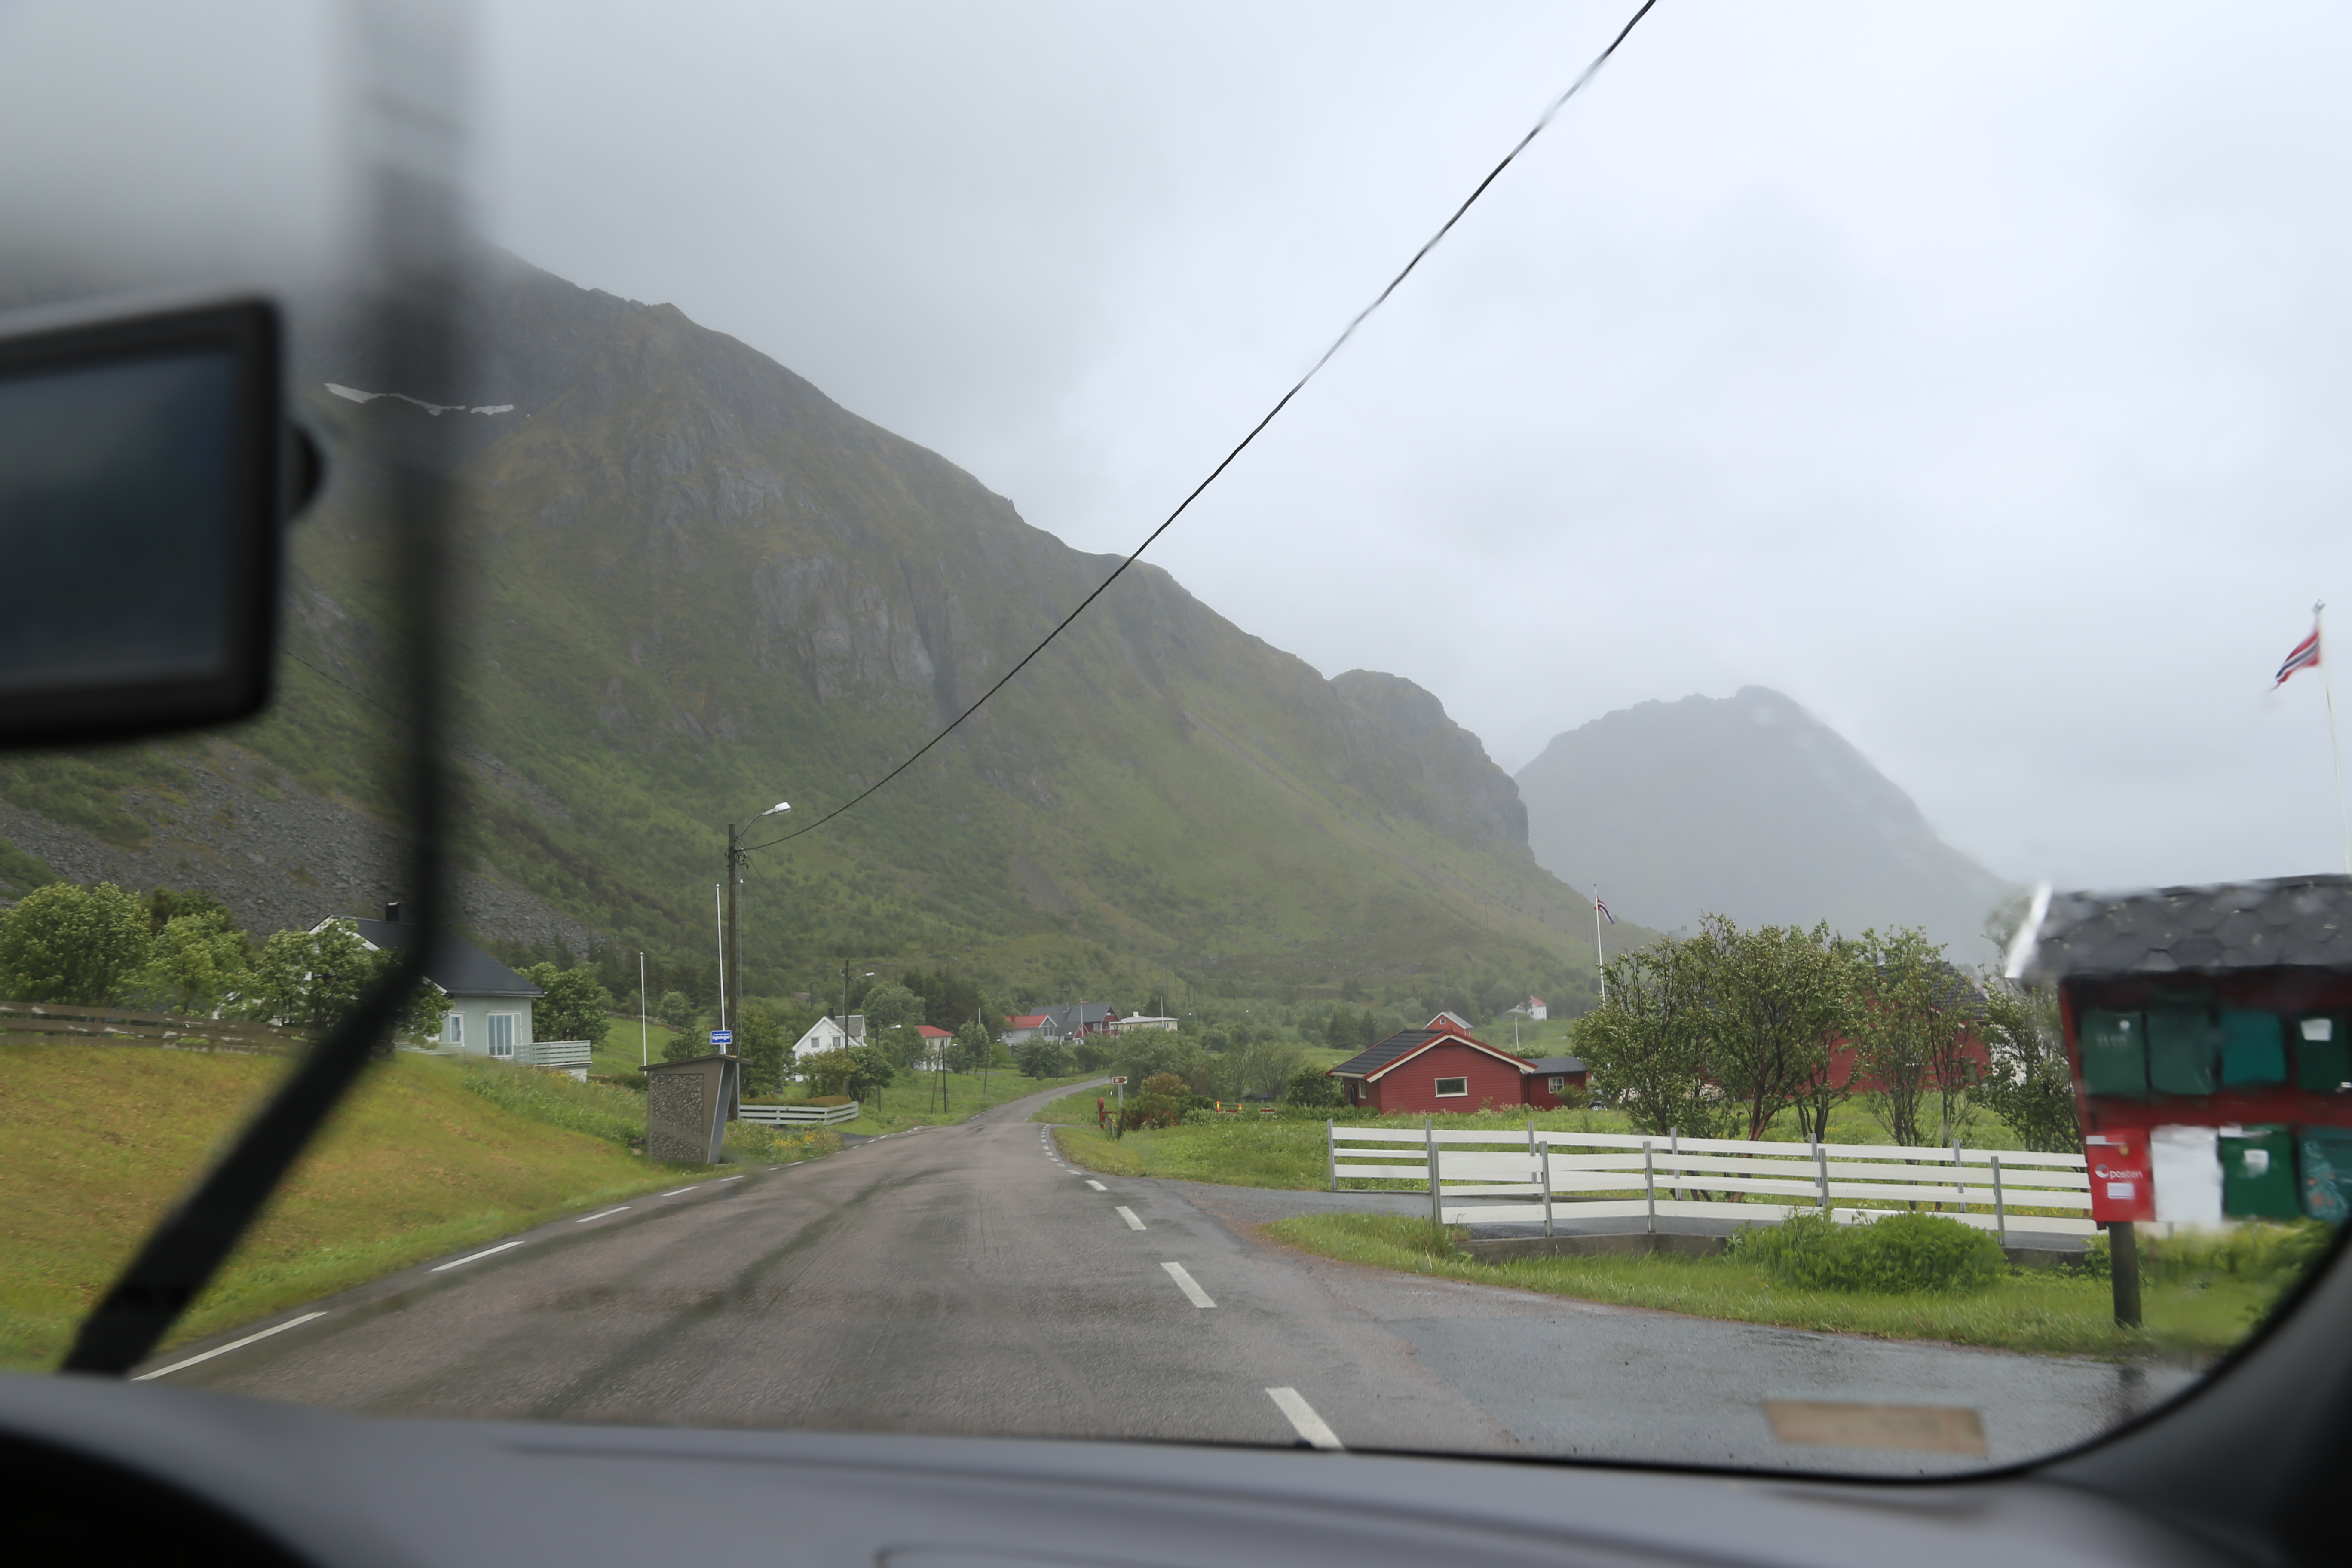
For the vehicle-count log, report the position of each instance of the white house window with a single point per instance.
(1556, 1083)
(453, 1030)
(1447, 1088)
(503, 1033)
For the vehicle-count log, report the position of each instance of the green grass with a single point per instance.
(618, 1057)
(428, 1154)
(2046, 1311)
(1254, 1151)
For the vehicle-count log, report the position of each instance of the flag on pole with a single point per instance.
(2303, 655)
(1600, 909)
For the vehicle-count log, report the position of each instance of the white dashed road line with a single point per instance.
(472, 1257)
(1310, 1428)
(233, 1344)
(675, 1191)
(584, 1218)
(1096, 1185)
(1190, 1285)
(1128, 1215)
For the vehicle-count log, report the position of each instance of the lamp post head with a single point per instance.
(780, 806)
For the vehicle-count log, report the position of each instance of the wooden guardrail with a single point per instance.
(1604, 1175)
(97, 1023)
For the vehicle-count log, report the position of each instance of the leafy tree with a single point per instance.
(2028, 1085)
(1156, 1005)
(1776, 998)
(856, 1071)
(197, 962)
(1649, 1048)
(64, 943)
(576, 1006)
(972, 1048)
(1092, 1054)
(889, 1005)
(1042, 1057)
(167, 904)
(1313, 1085)
(1909, 1030)
(764, 1046)
(313, 979)
(675, 1010)
(684, 1047)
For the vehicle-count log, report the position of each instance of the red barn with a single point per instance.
(1442, 1068)
(1550, 1081)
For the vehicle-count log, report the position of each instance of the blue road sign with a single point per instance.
(722, 1037)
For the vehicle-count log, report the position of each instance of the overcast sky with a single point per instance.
(1975, 374)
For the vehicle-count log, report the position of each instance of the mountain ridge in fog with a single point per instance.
(1751, 808)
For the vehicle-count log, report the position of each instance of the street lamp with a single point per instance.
(732, 944)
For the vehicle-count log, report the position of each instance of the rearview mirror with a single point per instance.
(146, 472)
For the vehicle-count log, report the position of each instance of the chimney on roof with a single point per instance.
(392, 912)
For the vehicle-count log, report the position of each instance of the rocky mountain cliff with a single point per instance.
(693, 586)
(1751, 808)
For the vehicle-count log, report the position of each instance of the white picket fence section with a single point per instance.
(1544, 1175)
(798, 1115)
(553, 1053)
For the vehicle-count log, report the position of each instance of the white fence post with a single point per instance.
(1822, 1174)
(1674, 1147)
(1959, 1176)
(1436, 1188)
(1999, 1209)
(1650, 1180)
(1546, 1181)
(1331, 1151)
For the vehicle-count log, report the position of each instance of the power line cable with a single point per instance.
(1338, 343)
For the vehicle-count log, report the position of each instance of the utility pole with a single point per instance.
(644, 1036)
(737, 858)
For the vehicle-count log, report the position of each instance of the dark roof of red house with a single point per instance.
(1555, 1065)
(1374, 1061)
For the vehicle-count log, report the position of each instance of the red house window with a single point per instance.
(1447, 1088)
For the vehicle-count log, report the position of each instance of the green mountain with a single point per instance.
(692, 586)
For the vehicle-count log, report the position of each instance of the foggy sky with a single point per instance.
(1975, 374)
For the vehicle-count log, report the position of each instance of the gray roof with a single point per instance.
(457, 966)
(1548, 1065)
(1404, 1042)
(2283, 922)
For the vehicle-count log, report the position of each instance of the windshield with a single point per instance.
(1717, 842)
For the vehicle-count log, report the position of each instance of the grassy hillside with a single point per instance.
(419, 1162)
(693, 587)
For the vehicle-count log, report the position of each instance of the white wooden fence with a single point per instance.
(1538, 1175)
(553, 1053)
(798, 1115)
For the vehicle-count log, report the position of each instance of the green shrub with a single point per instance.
(2251, 1250)
(1897, 1253)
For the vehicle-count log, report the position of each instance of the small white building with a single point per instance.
(826, 1034)
(1532, 1009)
(1135, 1021)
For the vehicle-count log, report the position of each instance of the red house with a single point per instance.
(1444, 1069)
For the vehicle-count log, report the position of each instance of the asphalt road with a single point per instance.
(962, 1279)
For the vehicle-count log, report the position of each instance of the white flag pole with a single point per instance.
(1597, 962)
(2334, 746)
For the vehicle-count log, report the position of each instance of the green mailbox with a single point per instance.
(2258, 1173)
(2323, 1056)
(2253, 1048)
(2115, 1055)
(2184, 1054)
(2323, 1163)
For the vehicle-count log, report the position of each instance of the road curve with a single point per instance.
(963, 1279)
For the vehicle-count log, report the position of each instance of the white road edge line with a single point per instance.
(1190, 1285)
(1096, 1185)
(472, 1257)
(224, 1350)
(1128, 1215)
(1304, 1421)
(724, 1179)
(584, 1218)
(674, 1194)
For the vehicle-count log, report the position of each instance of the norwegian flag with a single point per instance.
(1602, 910)
(2305, 655)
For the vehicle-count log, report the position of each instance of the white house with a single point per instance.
(1533, 1009)
(490, 1005)
(825, 1035)
(1135, 1021)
